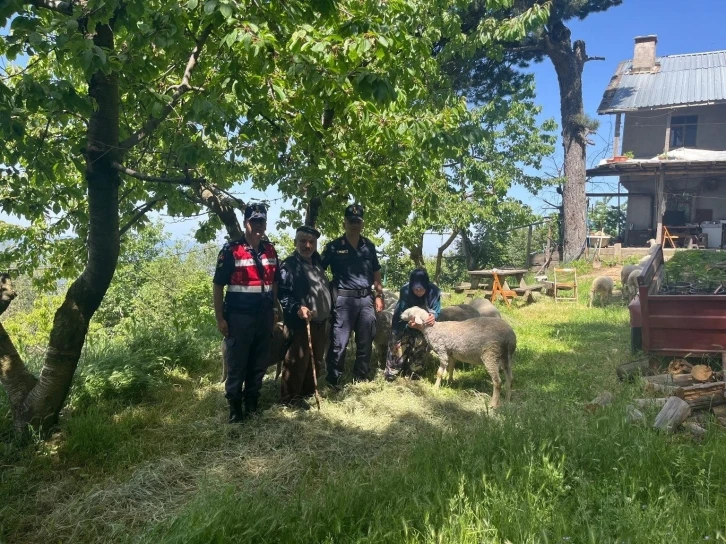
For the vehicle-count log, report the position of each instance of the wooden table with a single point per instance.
(477, 275)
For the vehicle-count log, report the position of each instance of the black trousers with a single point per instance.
(247, 353)
(351, 314)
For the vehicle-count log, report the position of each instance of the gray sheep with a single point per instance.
(602, 287)
(481, 340)
(460, 312)
(484, 307)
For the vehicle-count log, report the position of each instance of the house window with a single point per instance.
(683, 131)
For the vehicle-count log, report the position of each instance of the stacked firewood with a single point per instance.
(686, 394)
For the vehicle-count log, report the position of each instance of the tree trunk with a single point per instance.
(42, 404)
(440, 255)
(312, 211)
(569, 61)
(416, 254)
(469, 252)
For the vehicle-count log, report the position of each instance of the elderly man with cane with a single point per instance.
(306, 304)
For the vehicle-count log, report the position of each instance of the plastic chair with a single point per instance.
(567, 281)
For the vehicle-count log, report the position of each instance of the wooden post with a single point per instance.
(616, 139)
(659, 187)
(668, 135)
(529, 248)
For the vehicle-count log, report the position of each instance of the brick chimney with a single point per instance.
(644, 56)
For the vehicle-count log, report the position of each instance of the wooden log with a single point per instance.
(674, 412)
(641, 367)
(603, 399)
(719, 413)
(674, 380)
(701, 373)
(704, 395)
(679, 366)
(695, 429)
(650, 403)
(662, 390)
(633, 415)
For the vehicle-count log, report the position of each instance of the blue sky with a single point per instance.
(681, 27)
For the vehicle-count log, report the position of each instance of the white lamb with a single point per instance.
(632, 283)
(482, 340)
(603, 288)
(624, 274)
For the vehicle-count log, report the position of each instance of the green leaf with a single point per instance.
(210, 6)
(192, 4)
(226, 10)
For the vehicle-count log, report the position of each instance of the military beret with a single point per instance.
(308, 230)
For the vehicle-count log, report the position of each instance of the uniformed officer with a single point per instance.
(354, 264)
(249, 269)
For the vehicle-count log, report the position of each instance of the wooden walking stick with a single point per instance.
(312, 362)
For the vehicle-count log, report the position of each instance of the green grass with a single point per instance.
(381, 462)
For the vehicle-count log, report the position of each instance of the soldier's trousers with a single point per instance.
(351, 314)
(247, 352)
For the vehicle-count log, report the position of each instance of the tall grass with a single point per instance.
(380, 462)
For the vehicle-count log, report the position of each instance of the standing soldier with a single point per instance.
(248, 267)
(354, 264)
(305, 300)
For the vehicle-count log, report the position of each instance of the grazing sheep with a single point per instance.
(484, 307)
(481, 340)
(603, 288)
(460, 312)
(624, 273)
(642, 262)
(384, 321)
(632, 283)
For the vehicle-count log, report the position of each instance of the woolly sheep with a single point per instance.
(481, 340)
(603, 288)
(642, 262)
(653, 246)
(484, 307)
(460, 312)
(384, 321)
(624, 273)
(632, 283)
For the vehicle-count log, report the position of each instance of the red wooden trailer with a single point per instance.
(675, 325)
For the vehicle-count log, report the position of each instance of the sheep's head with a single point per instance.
(418, 314)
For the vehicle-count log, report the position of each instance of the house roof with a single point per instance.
(677, 80)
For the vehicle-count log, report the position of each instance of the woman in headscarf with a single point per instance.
(407, 347)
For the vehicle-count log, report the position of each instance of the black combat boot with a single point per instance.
(236, 414)
(251, 405)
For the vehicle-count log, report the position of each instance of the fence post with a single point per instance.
(529, 248)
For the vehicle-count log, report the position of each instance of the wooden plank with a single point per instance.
(616, 139)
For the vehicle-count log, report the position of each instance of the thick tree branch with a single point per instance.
(141, 212)
(14, 376)
(179, 90)
(145, 177)
(440, 254)
(222, 207)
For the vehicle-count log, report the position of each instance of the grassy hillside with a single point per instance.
(144, 454)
